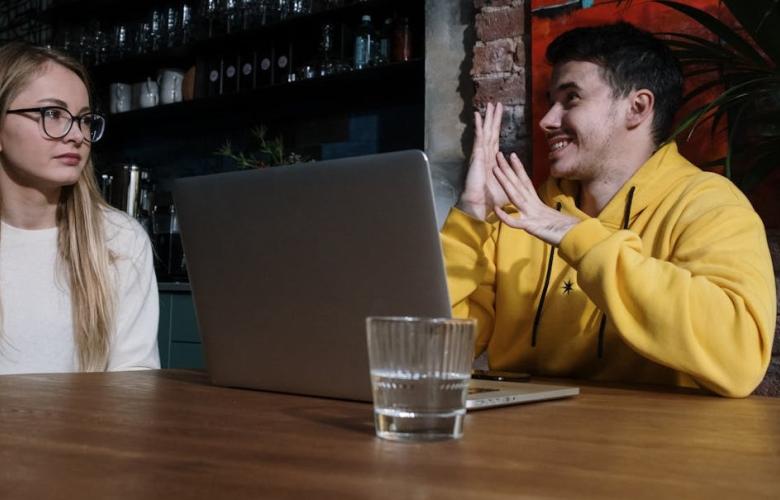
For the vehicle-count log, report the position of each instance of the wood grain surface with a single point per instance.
(169, 434)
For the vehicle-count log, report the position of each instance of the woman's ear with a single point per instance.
(641, 106)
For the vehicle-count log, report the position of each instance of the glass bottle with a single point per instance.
(230, 74)
(156, 34)
(232, 16)
(171, 27)
(214, 76)
(247, 64)
(210, 14)
(325, 52)
(283, 51)
(299, 7)
(185, 29)
(364, 43)
(265, 65)
(384, 42)
(402, 41)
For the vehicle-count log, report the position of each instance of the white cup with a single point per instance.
(121, 97)
(150, 94)
(170, 85)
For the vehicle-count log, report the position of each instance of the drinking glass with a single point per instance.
(420, 370)
(120, 45)
(156, 30)
(171, 27)
(299, 7)
(87, 49)
(185, 27)
(143, 35)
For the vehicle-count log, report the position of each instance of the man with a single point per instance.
(629, 264)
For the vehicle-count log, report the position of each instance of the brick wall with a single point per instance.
(499, 68)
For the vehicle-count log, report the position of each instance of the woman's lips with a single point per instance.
(70, 159)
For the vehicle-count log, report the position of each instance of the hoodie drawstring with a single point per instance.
(538, 316)
(626, 219)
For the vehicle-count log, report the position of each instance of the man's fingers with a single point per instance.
(521, 185)
(510, 189)
(519, 177)
(519, 169)
(505, 168)
(508, 219)
(477, 128)
(505, 183)
(498, 115)
(488, 120)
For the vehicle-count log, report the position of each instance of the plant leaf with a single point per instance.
(699, 44)
(760, 18)
(731, 95)
(759, 169)
(704, 87)
(719, 29)
(732, 138)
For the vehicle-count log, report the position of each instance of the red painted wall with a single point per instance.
(650, 16)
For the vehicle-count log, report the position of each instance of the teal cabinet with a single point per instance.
(177, 336)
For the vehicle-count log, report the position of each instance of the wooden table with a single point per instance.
(168, 434)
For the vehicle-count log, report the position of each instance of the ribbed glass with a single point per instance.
(420, 368)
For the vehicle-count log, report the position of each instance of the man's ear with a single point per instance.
(641, 106)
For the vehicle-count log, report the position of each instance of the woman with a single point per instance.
(77, 286)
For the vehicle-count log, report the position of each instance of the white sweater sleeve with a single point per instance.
(134, 346)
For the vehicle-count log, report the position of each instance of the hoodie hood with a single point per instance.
(653, 180)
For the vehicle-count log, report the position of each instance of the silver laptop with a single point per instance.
(285, 264)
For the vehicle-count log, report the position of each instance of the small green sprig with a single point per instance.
(266, 153)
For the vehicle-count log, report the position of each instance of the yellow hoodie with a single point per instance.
(686, 293)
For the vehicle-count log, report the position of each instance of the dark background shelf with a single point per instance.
(355, 90)
(112, 11)
(373, 110)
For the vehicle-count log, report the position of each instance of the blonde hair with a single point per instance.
(82, 250)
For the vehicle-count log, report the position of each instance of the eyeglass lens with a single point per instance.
(57, 123)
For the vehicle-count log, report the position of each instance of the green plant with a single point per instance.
(743, 68)
(265, 152)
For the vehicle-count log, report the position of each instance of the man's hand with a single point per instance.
(535, 217)
(482, 191)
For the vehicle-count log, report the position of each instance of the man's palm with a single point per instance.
(482, 192)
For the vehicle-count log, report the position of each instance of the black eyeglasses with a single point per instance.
(57, 122)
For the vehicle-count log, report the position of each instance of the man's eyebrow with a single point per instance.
(567, 86)
(561, 88)
(61, 103)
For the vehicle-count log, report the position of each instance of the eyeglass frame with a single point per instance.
(77, 118)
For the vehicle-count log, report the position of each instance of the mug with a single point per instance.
(150, 94)
(121, 97)
(170, 82)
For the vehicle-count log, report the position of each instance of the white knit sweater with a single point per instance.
(37, 333)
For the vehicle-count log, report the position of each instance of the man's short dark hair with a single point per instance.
(631, 59)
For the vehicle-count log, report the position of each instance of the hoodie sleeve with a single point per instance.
(469, 256)
(708, 311)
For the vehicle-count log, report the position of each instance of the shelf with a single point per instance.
(181, 57)
(304, 29)
(60, 9)
(74, 10)
(299, 23)
(390, 83)
(173, 286)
